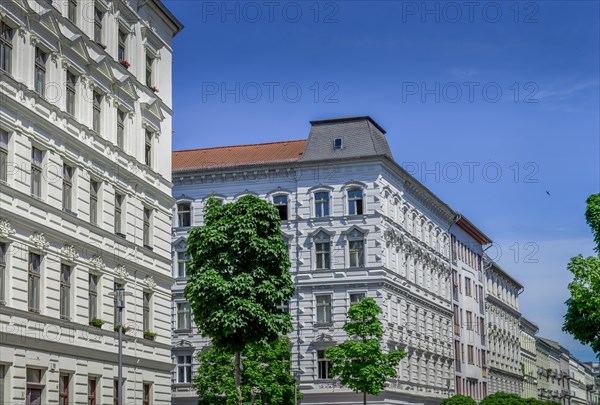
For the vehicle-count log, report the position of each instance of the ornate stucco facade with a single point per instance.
(529, 358)
(85, 199)
(504, 331)
(357, 225)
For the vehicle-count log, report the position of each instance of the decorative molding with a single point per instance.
(121, 273)
(39, 241)
(69, 252)
(6, 229)
(149, 283)
(97, 263)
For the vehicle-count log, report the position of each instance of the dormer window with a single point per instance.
(337, 143)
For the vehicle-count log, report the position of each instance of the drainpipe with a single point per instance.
(450, 258)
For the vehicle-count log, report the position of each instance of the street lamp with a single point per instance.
(120, 295)
(448, 386)
(296, 373)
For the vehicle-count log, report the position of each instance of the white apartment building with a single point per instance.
(357, 225)
(529, 358)
(468, 300)
(506, 370)
(85, 199)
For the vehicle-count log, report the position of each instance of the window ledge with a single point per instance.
(323, 324)
(148, 247)
(120, 235)
(69, 212)
(183, 331)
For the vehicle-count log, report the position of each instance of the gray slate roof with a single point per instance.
(361, 136)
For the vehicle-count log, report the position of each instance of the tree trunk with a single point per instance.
(238, 376)
(365, 397)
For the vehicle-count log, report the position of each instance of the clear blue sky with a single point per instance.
(464, 92)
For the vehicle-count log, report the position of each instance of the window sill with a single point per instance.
(35, 311)
(148, 247)
(323, 324)
(37, 197)
(69, 212)
(120, 235)
(183, 331)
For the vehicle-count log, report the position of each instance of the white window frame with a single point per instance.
(279, 204)
(189, 212)
(34, 283)
(327, 316)
(4, 140)
(183, 316)
(355, 204)
(324, 204)
(65, 291)
(186, 367)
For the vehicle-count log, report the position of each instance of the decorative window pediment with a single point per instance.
(180, 245)
(355, 233)
(121, 274)
(97, 264)
(149, 283)
(39, 242)
(6, 229)
(321, 235)
(69, 252)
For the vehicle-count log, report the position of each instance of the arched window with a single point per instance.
(281, 202)
(184, 214)
(322, 204)
(355, 201)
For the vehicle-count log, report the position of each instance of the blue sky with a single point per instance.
(493, 106)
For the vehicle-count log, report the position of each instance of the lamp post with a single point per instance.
(448, 386)
(119, 295)
(296, 378)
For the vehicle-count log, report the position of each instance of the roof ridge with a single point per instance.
(240, 145)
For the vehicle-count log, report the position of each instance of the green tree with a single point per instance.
(502, 398)
(266, 376)
(359, 361)
(238, 275)
(582, 319)
(459, 400)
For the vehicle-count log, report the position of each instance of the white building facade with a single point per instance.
(506, 370)
(85, 199)
(529, 358)
(357, 225)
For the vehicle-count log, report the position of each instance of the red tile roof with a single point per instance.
(224, 156)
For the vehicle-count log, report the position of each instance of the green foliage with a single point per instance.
(239, 273)
(502, 398)
(266, 367)
(359, 361)
(582, 319)
(459, 400)
(97, 322)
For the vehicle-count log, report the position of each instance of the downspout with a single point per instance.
(298, 334)
(450, 259)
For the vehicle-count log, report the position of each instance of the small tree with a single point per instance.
(266, 376)
(238, 275)
(359, 361)
(502, 398)
(582, 319)
(459, 400)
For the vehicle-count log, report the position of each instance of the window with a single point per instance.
(98, 16)
(322, 251)
(184, 214)
(323, 365)
(71, 83)
(119, 206)
(284, 307)
(184, 369)
(337, 143)
(2, 384)
(149, 68)
(67, 188)
(121, 129)
(3, 249)
(322, 204)
(356, 297)
(470, 356)
(34, 387)
(92, 383)
(146, 312)
(93, 296)
(281, 203)
(63, 389)
(184, 316)
(40, 72)
(122, 46)
(469, 320)
(147, 229)
(182, 259)
(116, 392)
(456, 316)
(33, 294)
(3, 156)
(6, 33)
(148, 149)
(468, 286)
(97, 113)
(357, 253)
(146, 398)
(36, 172)
(72, 11)
(94, 189)
(65, 291)
(323, 308)
(355, 202)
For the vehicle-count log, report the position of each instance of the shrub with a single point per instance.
(459, 400)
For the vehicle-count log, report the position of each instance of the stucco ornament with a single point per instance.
(97, 263)
(121, 273)
(69, 252)
(39, 241)
(6, 229)
(149, 283)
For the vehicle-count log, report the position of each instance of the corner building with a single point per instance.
(357, 225)
(85, 199)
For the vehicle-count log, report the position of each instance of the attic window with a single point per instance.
(337, 143)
